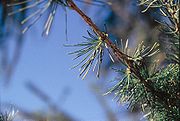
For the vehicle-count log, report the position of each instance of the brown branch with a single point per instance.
(134, 67)
(116, 51)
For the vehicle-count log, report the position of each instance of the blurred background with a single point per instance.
(35, 76)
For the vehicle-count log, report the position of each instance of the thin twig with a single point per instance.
(132, 65)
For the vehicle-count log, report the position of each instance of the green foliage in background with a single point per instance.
(164, 78)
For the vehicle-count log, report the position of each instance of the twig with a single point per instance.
(132, 65)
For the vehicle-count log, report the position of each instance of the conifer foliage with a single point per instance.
(154, 88)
